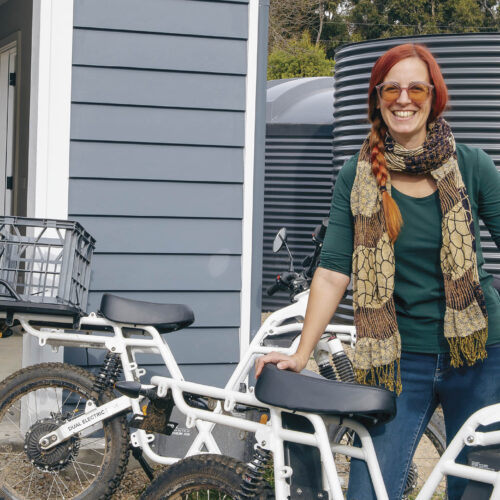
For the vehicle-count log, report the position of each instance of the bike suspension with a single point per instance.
(326, 370)
(254, 476)
(340, 367)
(343, 366)
(109, 373)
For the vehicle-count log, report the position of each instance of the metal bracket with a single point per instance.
(285, 472)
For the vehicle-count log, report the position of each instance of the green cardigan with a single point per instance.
(419, 286)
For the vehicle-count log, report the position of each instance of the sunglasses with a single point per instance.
(418, 92)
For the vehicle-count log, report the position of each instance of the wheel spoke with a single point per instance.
(76, 473)
(79, 462)
(86, 474)
(14, 423)
(58, 477)
(87, 444)
(29, 484)
(66, 400)
(21, 480)
(72, 468)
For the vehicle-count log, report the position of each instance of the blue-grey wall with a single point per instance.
(156, 163)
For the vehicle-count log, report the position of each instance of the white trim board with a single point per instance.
(50, 109)
(248, 176)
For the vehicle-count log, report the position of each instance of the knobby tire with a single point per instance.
(88, 466)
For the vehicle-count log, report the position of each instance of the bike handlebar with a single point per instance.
(271, 290)
(322, 230)
(283, 281)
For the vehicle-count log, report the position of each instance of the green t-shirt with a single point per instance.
(418, 285)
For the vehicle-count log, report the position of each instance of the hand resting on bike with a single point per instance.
(327, 289)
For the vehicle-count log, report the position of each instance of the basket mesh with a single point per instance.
(45, 261)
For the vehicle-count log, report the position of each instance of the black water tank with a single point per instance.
(297, 193)
(471, 68)
(298, 172)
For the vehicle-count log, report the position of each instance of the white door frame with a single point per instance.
(50, 109)
(8, 101)
(49, 126)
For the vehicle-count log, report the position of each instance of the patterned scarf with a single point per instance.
(378, 346)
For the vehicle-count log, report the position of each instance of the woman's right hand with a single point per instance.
(282, 361)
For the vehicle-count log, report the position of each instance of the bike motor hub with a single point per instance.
(56, 458)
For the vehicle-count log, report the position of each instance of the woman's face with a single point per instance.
(406, 120)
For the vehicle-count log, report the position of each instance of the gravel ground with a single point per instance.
(133, 484)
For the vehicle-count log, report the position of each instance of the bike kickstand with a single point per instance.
(138, 455)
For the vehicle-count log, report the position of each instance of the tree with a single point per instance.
(491, 13)
(462, 16)
(371, 19)
(334, 22)
(408, 18)
(368, 19)
(288, 19)
(302, 58)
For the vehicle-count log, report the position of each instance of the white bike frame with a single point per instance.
(271, 436)
(118, 340)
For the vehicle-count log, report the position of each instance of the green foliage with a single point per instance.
(463, 15)
(374, 19)
(332, 23)
(301, 59)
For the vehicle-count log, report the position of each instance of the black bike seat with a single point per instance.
(164, 317)
(298, 392)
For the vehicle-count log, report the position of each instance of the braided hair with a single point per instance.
(393, 218)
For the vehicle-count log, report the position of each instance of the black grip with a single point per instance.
(322, 231)
(271, 290)
(286, 278)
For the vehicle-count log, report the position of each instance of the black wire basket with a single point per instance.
(44, 265)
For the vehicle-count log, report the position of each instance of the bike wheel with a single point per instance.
(429, 450)
(202, 477)
(33, 402)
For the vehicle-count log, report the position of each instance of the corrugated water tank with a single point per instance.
(298, 171)
(471, 67)
(298, 190)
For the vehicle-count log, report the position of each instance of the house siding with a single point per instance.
(156, 164)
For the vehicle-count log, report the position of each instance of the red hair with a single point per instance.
(380, 69)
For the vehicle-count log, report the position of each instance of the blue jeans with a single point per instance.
(428, 379)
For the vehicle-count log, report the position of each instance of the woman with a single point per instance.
(404, 221)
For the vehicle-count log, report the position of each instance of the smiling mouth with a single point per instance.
(403, 114)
